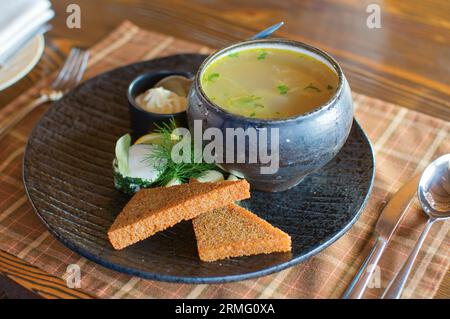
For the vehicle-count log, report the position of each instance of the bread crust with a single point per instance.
(233, 231)
(155, 209)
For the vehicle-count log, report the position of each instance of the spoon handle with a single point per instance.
(395, 287)
(266, 32)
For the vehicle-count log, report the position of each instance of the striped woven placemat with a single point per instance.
(404, 141)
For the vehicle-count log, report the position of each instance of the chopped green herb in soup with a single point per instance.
(261, 55)
(283, 89)
(268, 83)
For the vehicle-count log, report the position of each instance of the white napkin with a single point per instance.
(19, 20)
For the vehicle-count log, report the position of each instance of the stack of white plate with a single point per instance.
(22, 25)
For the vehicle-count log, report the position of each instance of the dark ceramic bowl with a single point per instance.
(142, 121)
(306, 142)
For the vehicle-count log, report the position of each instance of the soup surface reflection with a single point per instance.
(268, 83)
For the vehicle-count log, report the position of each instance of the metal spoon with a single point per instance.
(434, 197)
(180, 84)
(267, 32)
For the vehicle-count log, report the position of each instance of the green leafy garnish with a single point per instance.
(253, 114)
(233, 55)
(247, 101)
(175, 171)
(282, 88)
(329, 87)
(262, 55)
(312, 87)
(213, 76)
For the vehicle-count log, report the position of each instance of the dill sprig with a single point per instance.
(171, 170)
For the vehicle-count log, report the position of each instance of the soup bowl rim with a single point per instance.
(284, 42)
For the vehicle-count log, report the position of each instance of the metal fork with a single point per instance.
(69, 76)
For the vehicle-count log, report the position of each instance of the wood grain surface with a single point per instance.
(35, 280)
(406, 61)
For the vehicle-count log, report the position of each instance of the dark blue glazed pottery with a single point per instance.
(141, 121)
(306, 142)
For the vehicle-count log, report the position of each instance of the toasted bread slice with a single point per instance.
(155, 209)
(233, 231)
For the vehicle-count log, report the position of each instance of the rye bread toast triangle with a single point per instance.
(155, 209)
(233, 231)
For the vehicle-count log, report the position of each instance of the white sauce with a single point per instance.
(161, 101)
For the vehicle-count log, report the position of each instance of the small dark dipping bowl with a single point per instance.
(142, 121)
(306, 142)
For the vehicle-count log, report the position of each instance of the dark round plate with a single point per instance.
(68, 178)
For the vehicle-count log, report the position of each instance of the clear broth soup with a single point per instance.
(268, 82)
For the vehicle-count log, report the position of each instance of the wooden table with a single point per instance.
(406, 61)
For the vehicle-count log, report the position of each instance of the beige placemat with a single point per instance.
(404, 142)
